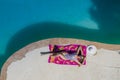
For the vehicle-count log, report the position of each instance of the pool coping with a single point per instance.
(21, 53)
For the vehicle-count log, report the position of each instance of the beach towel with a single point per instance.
(60, 60)
(72, 47)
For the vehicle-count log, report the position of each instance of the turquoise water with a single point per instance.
(26, 21)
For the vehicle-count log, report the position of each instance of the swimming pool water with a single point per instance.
(26, 21)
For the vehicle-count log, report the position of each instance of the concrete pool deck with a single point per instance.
(101, 66)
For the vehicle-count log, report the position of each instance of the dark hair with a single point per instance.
(81, 59)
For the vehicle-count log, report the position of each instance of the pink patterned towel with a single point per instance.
(72, 47)
(60, 60)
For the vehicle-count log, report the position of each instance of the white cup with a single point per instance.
(91, 50)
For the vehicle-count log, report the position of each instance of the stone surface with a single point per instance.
(21, 53)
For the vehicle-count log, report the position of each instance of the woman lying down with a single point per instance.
(72, 54)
